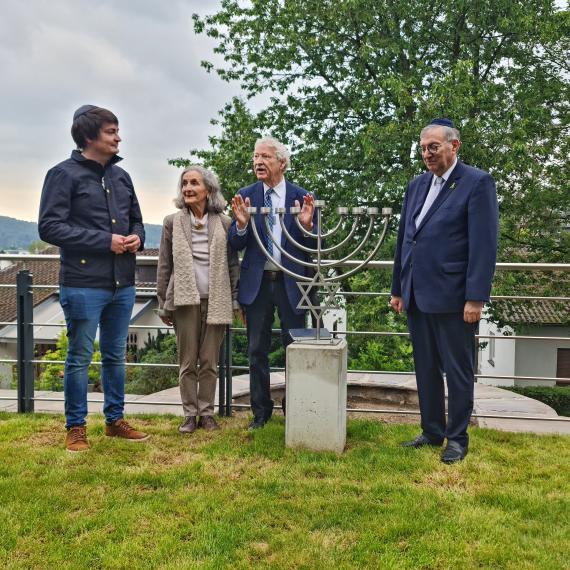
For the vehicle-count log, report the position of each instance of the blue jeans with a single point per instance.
(85, 308)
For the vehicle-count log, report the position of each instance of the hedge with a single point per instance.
(557, 397)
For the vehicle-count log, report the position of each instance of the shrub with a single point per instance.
(557, 397)
(149, 379)
(51, 376)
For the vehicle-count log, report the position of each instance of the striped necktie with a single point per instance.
(269, 204)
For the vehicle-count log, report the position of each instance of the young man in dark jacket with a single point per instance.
(89, 209)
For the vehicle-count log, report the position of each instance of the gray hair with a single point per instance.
(451, 134)
(281, 151)
(215, 201)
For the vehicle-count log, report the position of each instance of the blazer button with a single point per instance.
(83, 262)
(117, 282)
(114, 221)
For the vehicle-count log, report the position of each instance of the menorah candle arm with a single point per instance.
(332, 232)
(268, 255)
(304, 230)
(345, 240)
(367, 260)
(360, 245)
(292, 239)
(283, 250)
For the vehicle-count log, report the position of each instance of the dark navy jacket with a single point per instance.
(450, 258)
(253, 262)
(82, 205)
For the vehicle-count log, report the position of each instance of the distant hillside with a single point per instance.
(17, 234)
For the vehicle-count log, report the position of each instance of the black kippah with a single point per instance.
(443, 122)
(82, 110)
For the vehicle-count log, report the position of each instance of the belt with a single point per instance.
(272, 275)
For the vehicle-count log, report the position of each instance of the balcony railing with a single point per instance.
(25, 360)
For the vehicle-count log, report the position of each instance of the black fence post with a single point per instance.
(229, 390)
(25, 327)
(222, 379)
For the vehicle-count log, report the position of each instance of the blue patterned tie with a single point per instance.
(269, 204)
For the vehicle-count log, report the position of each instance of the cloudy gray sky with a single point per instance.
(139, 58)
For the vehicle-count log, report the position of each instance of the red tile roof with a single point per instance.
(533, 312)
(44, 273)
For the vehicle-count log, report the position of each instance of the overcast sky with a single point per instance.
(139, 58)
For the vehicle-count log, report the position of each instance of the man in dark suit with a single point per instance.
(443, 269)
(263, 285)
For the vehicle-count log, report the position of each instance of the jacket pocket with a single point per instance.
(454, 267)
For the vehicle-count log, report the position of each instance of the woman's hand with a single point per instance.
(167, 320)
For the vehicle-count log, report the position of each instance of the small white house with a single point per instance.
(503, 356)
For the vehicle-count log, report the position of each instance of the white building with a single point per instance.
(527, 357)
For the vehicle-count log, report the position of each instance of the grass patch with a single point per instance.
(240, 500)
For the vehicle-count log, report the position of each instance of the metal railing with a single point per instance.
(25, 360)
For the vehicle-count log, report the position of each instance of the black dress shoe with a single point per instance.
(421, 441)
(453, 452)
(256, 424)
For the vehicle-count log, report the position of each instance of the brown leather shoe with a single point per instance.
(76, 439)
(208, 423)
(122, 429)
(189, 425)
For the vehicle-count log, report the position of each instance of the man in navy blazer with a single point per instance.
(443, 270)
(263, 285)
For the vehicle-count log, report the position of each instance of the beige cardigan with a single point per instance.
(176, 284)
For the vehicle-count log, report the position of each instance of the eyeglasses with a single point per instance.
(432, 148)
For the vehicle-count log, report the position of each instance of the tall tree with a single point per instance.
(351, 82)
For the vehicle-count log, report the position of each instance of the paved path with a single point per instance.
(488, 400)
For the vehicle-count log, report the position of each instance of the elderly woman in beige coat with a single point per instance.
(197, 289)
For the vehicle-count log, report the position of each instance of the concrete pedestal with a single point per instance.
(316, 396)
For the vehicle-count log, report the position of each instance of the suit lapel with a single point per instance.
(422, 193)
(443, 195)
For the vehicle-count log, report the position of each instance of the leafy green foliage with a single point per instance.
(149, 379)
(51, 375)
(372, 314)
(557, 397)
(352, 82)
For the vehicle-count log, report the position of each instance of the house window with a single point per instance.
(563, 364)
(132, 342)
(491, 359)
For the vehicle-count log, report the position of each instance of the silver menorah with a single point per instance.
(322, 281)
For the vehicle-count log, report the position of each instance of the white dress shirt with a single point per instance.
(277, 201)
(434, 191)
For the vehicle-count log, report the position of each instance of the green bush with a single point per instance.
(149, 379)
(557, 397)
(51, 376)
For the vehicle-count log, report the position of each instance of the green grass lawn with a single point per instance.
(238, 500)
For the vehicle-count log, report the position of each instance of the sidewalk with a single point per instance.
(488, 400)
